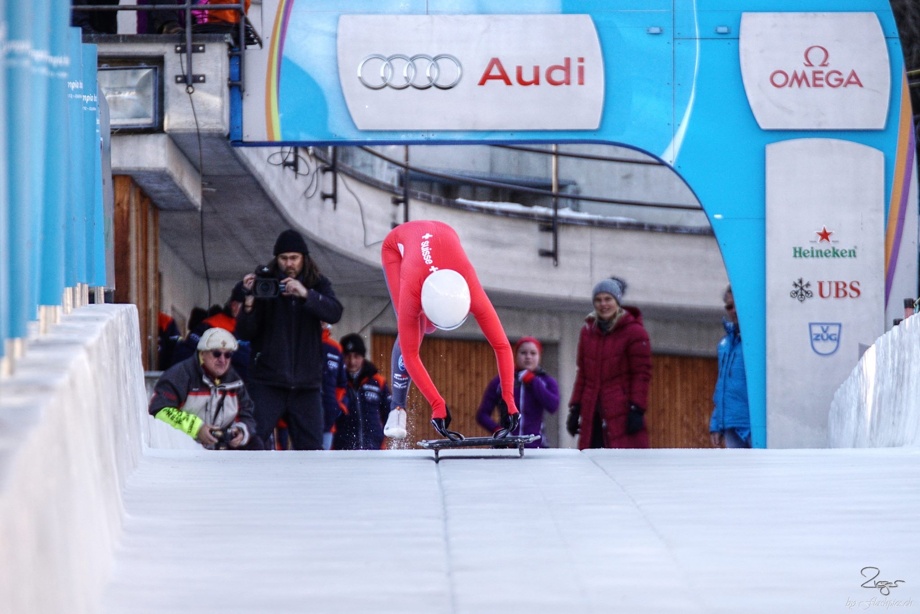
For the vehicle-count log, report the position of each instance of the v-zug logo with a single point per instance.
(825, 337)
(816, 73)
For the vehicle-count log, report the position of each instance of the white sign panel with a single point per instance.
(825, 281)
(471, 72)
(815, 71)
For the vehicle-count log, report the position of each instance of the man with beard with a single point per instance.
(286, 332)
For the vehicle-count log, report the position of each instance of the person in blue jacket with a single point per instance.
(367, 400)
(731, 418)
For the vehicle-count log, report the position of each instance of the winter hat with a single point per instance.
(217, 339)
(613, 286)
(532, 340)
(290, 241)
(353, 343)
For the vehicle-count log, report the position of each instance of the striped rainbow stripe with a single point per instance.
(273, 72)
(900, 188)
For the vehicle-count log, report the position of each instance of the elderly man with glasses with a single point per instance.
(204, 397)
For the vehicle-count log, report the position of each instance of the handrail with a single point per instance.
(529, 190)
(539, 216)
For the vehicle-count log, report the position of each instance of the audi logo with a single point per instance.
(402, 71)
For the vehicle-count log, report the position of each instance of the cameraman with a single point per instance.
(203, 396)
(286, 368)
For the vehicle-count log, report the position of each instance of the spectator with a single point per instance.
(433, 286)
(285, 330)
(195, 317)
(367, 400)
(731, 417)
(220, 317)
(335, 383)
(535, 391)
(614, 363)
(170, 21)
(334, 387)
(203, 396)
(95, 22)
(160, 21)
(167, 340)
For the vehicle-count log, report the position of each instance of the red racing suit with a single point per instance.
(410, 253)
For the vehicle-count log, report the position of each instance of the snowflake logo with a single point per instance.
(801, 290)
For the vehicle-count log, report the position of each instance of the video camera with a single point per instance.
(266, 285)
(224, 437)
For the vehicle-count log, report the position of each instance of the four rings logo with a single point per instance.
(419, 71)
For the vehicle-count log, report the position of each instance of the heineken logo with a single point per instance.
(823, 252)
(822, 247)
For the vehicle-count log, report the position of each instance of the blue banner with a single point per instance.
(4, 193)
(19, 119)
(74, 210)
(38, 128)
(94, 236)
(51, 284)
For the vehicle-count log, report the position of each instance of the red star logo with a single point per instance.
(824, 235)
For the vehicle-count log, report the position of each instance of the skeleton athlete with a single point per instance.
(433, 286)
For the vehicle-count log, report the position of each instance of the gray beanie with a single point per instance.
(613, 286)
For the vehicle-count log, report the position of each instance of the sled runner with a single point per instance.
(511, 441)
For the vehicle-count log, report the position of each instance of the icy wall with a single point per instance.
(879, 403)
(70, 435)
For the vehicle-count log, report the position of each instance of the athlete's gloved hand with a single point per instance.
(510, 423)
(571, 423)
(441, 424)
(635, 419)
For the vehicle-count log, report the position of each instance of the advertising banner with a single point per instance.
(791, 125)
(825, 276)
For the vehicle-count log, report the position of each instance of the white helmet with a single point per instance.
(446, 299)
(217, 339)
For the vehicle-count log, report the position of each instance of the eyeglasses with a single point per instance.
(219, 354)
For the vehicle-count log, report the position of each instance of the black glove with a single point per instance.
(510, 423)
(571, 423)
(441, 424)
(635, 419)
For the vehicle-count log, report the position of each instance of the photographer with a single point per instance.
(283, 311)
(203, 396)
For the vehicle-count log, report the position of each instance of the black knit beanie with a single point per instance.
(290, 241)
(353, 343)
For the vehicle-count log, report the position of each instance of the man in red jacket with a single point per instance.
(433, 286)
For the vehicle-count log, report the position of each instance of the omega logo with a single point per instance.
(815, 75)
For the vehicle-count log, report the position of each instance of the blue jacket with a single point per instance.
(367, 403)
(731, 395)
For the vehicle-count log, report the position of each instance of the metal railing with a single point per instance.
(242, 26)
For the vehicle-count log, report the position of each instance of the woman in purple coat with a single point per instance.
(535, 392)
(610, 396)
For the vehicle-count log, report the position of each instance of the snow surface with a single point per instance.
(558, 531)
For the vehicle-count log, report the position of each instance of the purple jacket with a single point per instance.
(538, 396)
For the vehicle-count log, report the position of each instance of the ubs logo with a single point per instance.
(827, 289)
(825, 337)
(815, 73)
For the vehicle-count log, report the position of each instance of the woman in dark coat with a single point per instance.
(608, 403)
